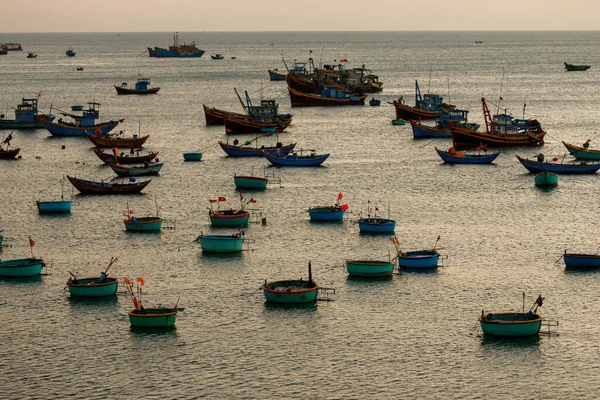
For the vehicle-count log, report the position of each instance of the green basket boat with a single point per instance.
(144, 224)
(22, 267)
(222, 243)
(511, 324)
(250, 182)
(369, 268)
(92, 287)
(546, 179)
(291, 291)
(159, 317)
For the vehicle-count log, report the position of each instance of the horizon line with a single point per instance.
(323, 31)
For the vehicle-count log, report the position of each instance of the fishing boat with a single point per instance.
(192, 156)
(109, 187)
(427, 106)
(295, 160)
(61, 206)
(137, 170)
(250, 182)
(12, 46)
(8, 154)
(178, 50)
(101, 286)
(228, 217)
(375, 224)
(546, 178)
(539, 165)
(441, 129)
(458, 157)
(79, 68)
(398, 122)
(265, 113)
(329, 96)
(274, 75)
(221, 243)
(369, 268)
(214, 116)
(142, 224)
(513, 324)
(70, 52)
(328, 213)
(583, 261)
(420, 259)
(142, 317)
(246, 125)
(141, 87)
(82, 123)
(217, 56)
(575, 67)
(246, 150)
(113, 140)
(291, 291)
(583, 152)
(374, 102)
(114, 156)
(31, 55)
(22, 267)
(501, 130)
(27, 116)
(3, 51)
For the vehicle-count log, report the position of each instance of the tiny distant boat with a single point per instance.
(369, 268)
(31, 55)
(79, 68)
(22, 267)
(584, 152)
(141, 87)
(77, 108)
(27, 116)
(427, 106)
(574, 67)
(192, 156)
(328, 213)
(537, 166)
(398, 122)
(222, 243)
(217, 56)
(3, 51)
(420, 259)
(546, 178)
(453, 157)
(329, 96)
(142, 224)
(374, 102)
(245, 150)
(274, 75)
(291, 291)
(82, 123)
(113, 156)
(250, 182)
(513, 324)
(295, 160)
(110, 187)
(183, 50)
(588, 261)
(94, 287)
(70, 52)
(116, 140)
(137, 170)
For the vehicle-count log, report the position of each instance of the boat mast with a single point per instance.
(500, 96)
(241, 101)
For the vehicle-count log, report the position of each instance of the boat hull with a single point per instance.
(103, 142)
(296, 161)
(299, 99)
(92, 287)
(92, 187)
(54, 207)
(151, 169)
(9, 154)
(159, 52)
(546, 179)
(192, 156)
(123, 91)
(66, 130)
(419, 259)
(465, 138)
(241, 151)
(376, 225)
(21, 268)
(290, 292)
(11, 124)
(244, 125)
(581, 260)
(301, 83)
(221, 243)
(326, 213)
(537, 167)
(250, 182)
(214, 116)
(466, 158)
(219, 219)
(421, 131)
(275, 76)
(510, 324)
(145, 224)
(582, 153)
(110, 158)
(369, 268)
(153, 318)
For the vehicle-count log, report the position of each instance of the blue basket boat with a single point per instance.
(291, 291)
(92, 287)
(419, 259)
(583, 261)
(326, 213)
(453, 157)
(376, 225)
(192, 156)
(369, 268)
(229, 217)
(222, 243)
(159, 317)
(22, 267)
(295, 160)
(546, 179)
(54, 207)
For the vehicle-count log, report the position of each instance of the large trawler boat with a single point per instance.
(178, 50)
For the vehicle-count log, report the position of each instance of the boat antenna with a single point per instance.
(388, 210)
(448, 80)
(156, 206)
(429, 83)
(523, 302)
(500, 96)
(284, 63)
(309, 272)
(524, 105)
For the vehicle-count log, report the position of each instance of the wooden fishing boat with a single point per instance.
(442, 129)
(110, 187)
(143, 224)
(137, 170)
(376, 225)
(295, 160)
(229, 217)
(501, 130)
(115, 140)
(70, 52)
(418, 259)
(116, 157)
(245, 125)
(330, 96)
(513, 324)
(426, 107)
(141, 87)
(92, 287)
(245, 150)
(54, 207)
(178, 50)
(9, 154)
(583, 261)
(266, 112)
(369, 268)
(192, 156)
(584, 152)
(82, 123)
(222, 243)
(537, 166)
(215, 116)
(291, 291)
(302, 83)
(575, 67)
(250, 182)
(453, 157)
(22, 267)
(274, 75)
(546, 178)
(27, 116)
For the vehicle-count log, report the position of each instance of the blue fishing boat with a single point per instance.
(369, 268)
(79, 68)
(374, 102)
(421, 259)
(70, 52)
(192, 156)
(513, 324)
(217, 56)
(274, 75)
(328, 213)
(141, 87)
(222, 243)
(398, 122)
(376, 225)
(178, 50)
(81, 123)
(544, 179)
(142, 224)
(458, 157)
(584, 152)
(245, 150)
(22, 267)
(27, 116)
(295, 160)
(291, 291)
(583, 261)
(539, 165)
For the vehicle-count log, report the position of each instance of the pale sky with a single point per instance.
(296, 15)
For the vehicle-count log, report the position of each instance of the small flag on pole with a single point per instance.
(344, 207)
(141, 281)
(212, 201)
(31, 242)
(221, 198)
(340, 196)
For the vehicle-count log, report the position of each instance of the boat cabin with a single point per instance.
(27, 111)
(142, 84)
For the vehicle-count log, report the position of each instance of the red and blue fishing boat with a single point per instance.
(27, 116)
(141, 87)
(109, 187)
(427, 106)
(245, 150)
(583, 152)
(539, 165)
(178, 50)
(458, 157)
(82, 123)
(274, 75)
(295, 160)
(420, 259)
(328, 213)
(583, 261)
(291, 291)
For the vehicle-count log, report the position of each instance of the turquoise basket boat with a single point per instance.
(326, 213)
(92, 287)
(54, 207)
(229, 217)
(546, 179)
(222, 243)
(22, 268)
(510, 324)
(370, 268)
(250, 182)
(192, 156)
(144, 224)
(153, 317)
(290, 292)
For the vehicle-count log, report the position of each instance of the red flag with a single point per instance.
(501, 98)
(344, 207)
(141, 281)
(251, 201)
(376, 209)
(98, 132)
(127, 281)
(340, 196)
(310, 51)
(555, 159)
(31, 242)
(221, 198)
(212, 201)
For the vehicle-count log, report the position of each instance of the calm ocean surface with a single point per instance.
(413, 336)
